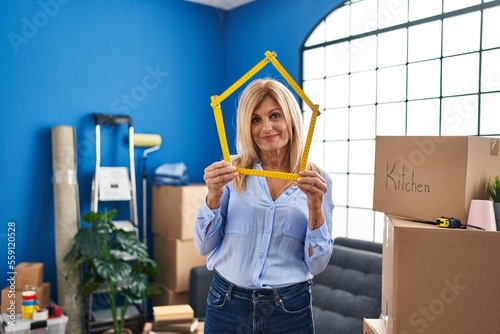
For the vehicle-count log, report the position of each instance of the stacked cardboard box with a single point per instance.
(374, 326)
(425, 177)
(26, 273)
(435, 279)
(439, 280)
(174, 216)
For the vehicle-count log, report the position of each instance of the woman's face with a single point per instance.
(268, 126)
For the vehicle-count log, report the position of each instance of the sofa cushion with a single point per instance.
(348, 290)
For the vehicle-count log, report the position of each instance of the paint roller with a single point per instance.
(147, 140)
(152, 142)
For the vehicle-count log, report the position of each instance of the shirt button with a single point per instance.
(261, 255)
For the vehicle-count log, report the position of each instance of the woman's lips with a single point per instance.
(269, 137)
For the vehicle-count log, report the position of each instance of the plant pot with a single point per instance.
(124, 331)
(496, 208)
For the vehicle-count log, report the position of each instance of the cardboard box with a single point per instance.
(15, 298)
(29, 273)
(374, 326)
(170, 297)
(173, 312)
(175, 209)
(175, 258)
(439, 280)
(428, 177)
(148, 325)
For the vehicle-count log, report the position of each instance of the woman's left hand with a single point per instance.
(314, 186)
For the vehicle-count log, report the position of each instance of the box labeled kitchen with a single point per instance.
(426, 177)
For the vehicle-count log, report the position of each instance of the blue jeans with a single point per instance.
(233, 309)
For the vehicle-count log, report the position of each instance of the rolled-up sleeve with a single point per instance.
(208, 230)
(320, 241)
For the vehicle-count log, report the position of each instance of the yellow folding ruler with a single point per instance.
(219, 121)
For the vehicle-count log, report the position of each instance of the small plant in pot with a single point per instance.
(493, 190)
(99, 250)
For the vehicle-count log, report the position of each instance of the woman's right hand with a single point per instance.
(216, 176)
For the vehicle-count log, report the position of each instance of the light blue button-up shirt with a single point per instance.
(260, 243)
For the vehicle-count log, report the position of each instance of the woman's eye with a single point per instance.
(255, 120)
(275, 115)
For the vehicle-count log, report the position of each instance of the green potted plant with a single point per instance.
(493, 190)
(113, 261)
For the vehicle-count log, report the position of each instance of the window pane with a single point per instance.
(337, 59)
(337, 124)
(423, 118)
(361, 154)
(423, 79)
(362, 122)
(451, 5)
(360, 224)
(424, 8)
(490, 114)
(315, 91)
(459, 116)
(339, 225)
(339, 196)
(337, 91)
(362, 88)
(337, 23)
(316, 153)
(461, 74)
(424, 41)
(391, 83)
(491, 27)
(363, 53)
(319, 127)
(363, 17)
(361, 190)
(391, 119)
(306, 116)
(490, 76)
(392, 48)
(391, 13)
(336, 156)
(317, 36)
(379, 227)
(461, 34)
(314, 63)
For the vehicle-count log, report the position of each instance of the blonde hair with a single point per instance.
(248, 151)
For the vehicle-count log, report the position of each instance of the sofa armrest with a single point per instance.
(200, 279)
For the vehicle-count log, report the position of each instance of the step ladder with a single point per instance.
(115, 183)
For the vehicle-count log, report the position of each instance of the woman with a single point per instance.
(268, 237)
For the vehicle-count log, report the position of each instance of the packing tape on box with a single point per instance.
(219, 121)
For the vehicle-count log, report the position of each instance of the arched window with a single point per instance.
(396, 67)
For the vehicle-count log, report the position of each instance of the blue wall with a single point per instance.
(62, 60)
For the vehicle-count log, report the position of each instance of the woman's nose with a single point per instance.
(267, 125)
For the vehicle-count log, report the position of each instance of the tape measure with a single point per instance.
(239, 82)
(219, 120)
(266, 173)
(448, 222)
(272, 58)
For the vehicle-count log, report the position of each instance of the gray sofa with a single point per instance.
(349, 289)
(346, 292)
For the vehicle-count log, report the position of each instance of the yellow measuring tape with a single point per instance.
(219, 121)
